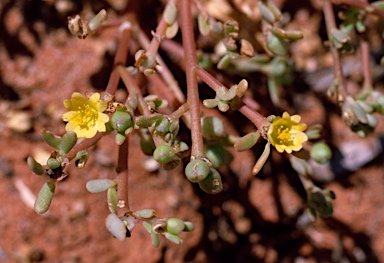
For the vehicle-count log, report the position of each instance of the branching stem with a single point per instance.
(337, 66)
(197, 149)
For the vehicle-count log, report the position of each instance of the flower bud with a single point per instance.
(196, 170)
(212, 183)
(321, 153)
(53, 163)
(164, 154)
(175, 226)
(44, 198)
(35, 167)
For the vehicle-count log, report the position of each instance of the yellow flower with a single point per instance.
(286, 133)
(85, 117)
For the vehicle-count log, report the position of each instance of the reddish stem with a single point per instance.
(197, 149)
(365, 63)
(120, 57)
(337, 67)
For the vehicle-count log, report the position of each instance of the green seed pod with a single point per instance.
(175, 239)
(212, 183)
(175, 226)
(247, 142)
(147, 144)
(218, 155)
(67, 142)
(44, 198)
(51, 139)
(145, 213)
(197, 170)
(121, 121)
(188, 226)
(172, 164)
(99, 185)
(164, 154)
(116, 227)
(162, 125)
(277, 45)
(212, 128)
(53, 163)
(321, 153)
(112, 199)
(35, 167)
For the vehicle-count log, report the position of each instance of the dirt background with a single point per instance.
(255, 219)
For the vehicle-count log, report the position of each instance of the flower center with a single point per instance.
(88, 116)
(284, 137)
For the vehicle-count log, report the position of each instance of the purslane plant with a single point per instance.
(157, 120)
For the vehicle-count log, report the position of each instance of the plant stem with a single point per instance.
(208, 79)
(177, 114)
(134, 90)
(254, 116)
(120, 57)
(197, 149)
(122, 178)
(365, 63)
(83, 145)
(337, 67)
